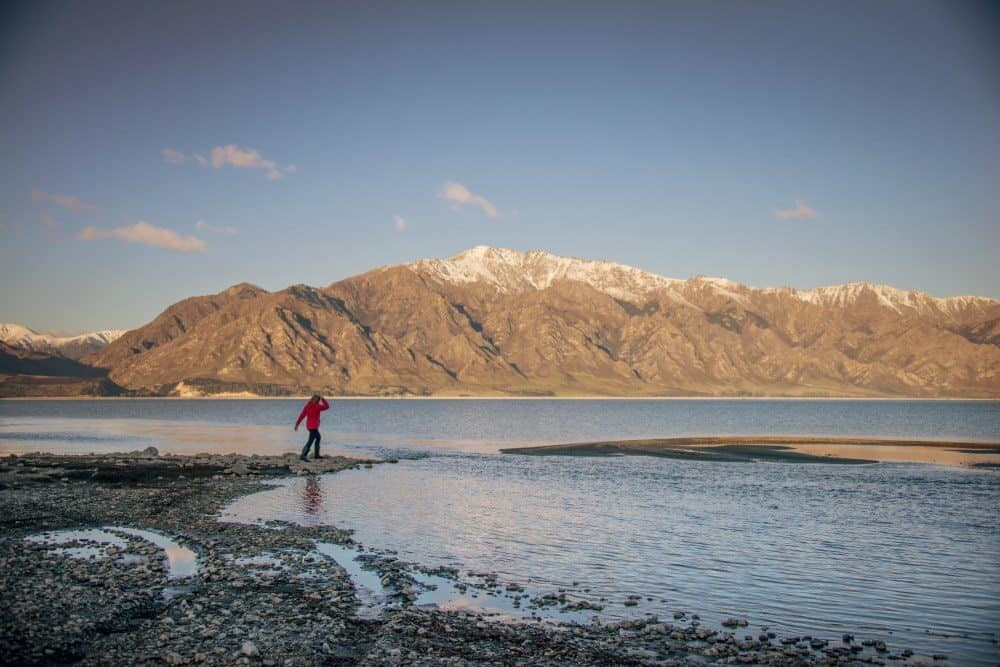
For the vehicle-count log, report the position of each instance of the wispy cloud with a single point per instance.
(399, 223)
(460, 195)
(231, 155)
(801, 211)
(173, 156)
(203, 226)
(241, 158)
(145, 234)
(66, 201)
(73, 204)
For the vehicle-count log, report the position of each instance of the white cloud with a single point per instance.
(460, 195)
(231, 155)
(145, 234)
(399, 223)
(203, 226)
(800, 212)
(172, 156)
(243, 158)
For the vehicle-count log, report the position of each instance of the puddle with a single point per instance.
(434, 590)
(370, 591)
(449, 595)
(181, 561)
(99, 537)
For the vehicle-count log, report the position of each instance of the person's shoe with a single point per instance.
(302, 458)
(319, 457)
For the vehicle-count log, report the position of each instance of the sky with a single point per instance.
(151, 151)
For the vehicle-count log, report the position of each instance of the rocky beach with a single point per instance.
(121, 559)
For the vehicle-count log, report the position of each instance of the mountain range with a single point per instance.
(494, 321)
(71, 347)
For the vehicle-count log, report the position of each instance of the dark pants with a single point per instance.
(314, 437)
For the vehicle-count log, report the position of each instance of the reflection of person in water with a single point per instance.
(314, 496)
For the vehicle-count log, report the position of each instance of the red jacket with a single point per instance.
(311, 413)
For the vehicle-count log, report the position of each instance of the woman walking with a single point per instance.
(310, 413)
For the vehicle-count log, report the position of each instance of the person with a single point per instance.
(310, 413)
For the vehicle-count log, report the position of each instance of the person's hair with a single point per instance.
(315, 397)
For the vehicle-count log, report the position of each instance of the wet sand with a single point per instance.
(784, 449)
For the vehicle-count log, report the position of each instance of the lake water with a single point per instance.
(909, 553)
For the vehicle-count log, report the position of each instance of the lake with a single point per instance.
(905, 552)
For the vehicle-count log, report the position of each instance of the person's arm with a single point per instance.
(323, 405)
(302, 415)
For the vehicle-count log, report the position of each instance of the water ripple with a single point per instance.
(805, 549)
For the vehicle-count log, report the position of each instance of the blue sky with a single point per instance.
(663, 135)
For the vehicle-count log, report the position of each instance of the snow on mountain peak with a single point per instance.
(890, 297)
(513, 271)
(73, 347)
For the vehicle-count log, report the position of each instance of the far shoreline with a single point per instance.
(924, 399)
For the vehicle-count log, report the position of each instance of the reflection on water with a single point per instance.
(906, 553)
(312, 497)
(367, 585)
(181, 561)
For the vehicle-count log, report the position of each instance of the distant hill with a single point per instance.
(493, 321)
(29, 373)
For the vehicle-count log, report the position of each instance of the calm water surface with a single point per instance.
(264, 426)
(904, 552)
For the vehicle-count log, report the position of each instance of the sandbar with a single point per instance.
(785, 449)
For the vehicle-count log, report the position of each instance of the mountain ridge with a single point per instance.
(500, 322)
(479, 262)
(71, 347)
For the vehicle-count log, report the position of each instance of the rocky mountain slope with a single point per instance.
(498, 321)
(70, 347)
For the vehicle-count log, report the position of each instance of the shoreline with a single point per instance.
(229, 610)
(785, 449)
(922, 399)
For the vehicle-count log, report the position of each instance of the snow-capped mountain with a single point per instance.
(71, 347)
(901, 301)
(512, 271)
(498, 321)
